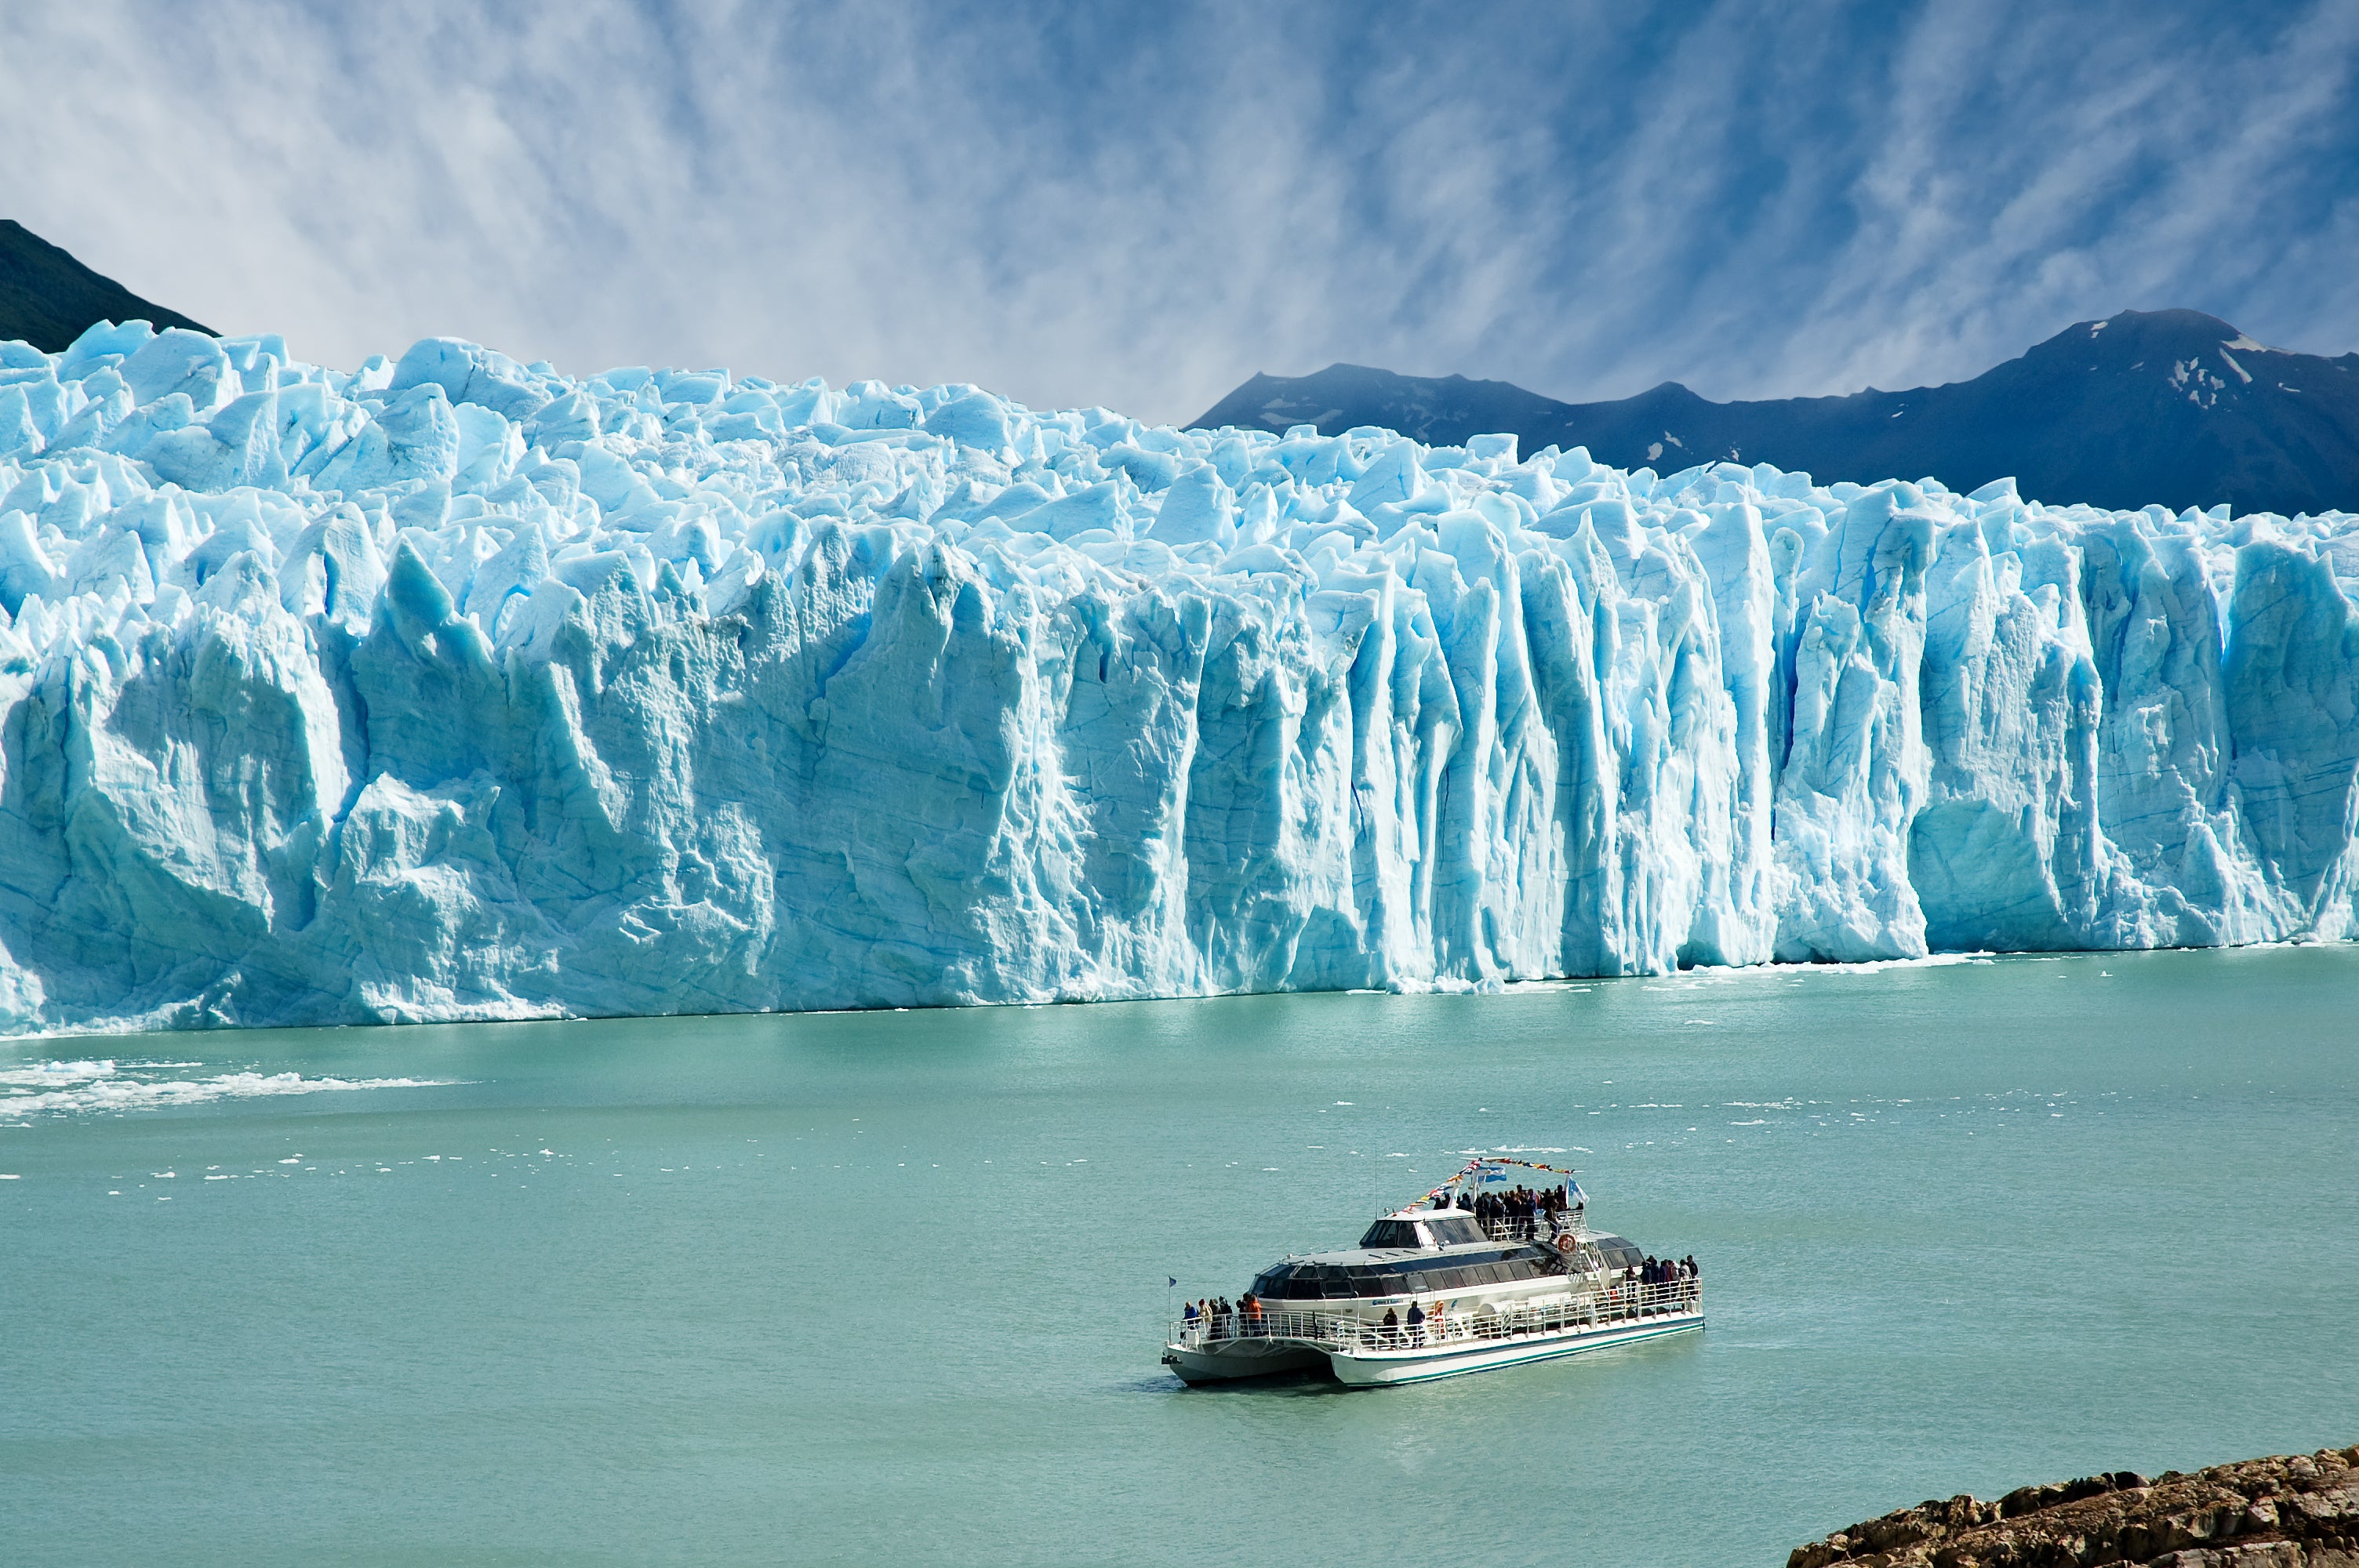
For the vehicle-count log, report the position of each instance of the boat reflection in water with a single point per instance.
(1477, 1274)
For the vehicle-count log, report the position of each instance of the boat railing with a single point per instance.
(1338, 1331)
(1532, 1227)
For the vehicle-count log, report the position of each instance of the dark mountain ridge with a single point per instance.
(2172, 407)
(48, 299)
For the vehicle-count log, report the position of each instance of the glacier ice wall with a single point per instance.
(455, 688)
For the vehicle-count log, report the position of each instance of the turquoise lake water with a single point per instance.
(886, 1288)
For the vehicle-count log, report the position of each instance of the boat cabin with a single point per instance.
(1427, 1252)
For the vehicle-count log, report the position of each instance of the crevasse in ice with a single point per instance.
(456, 688)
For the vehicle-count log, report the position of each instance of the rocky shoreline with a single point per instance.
(2298, 1510)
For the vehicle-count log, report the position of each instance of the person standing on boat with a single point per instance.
(1391, 1332)
(1416, 1324)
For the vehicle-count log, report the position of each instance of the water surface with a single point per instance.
(886, 1287)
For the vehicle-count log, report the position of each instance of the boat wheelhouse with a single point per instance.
(1476, 1275)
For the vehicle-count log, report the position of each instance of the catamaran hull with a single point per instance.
(1225, 1360)
(1376, 1368)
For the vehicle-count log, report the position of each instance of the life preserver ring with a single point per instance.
(1567, 1244)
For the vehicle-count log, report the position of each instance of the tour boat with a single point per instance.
(1446, 1286)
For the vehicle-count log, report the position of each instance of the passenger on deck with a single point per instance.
(1253, 1315)
(1192, 1317)
(1416, 1323)
(1466, 1200)
(1390, 1330)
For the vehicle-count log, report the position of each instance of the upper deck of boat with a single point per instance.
(1435, 1234)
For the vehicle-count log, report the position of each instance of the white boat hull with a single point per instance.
(1373, 1368)
(1360, 1361)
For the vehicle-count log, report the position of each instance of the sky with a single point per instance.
(1139, 206)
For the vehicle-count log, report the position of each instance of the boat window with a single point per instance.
(1390, 1233)
(1335, 1284)
(1619, 1253)
(1371, 1282)
(1455, 1229)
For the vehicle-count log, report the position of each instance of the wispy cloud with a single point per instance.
(1112, 205)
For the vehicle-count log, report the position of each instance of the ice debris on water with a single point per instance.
(59, 1088)
(455, 688)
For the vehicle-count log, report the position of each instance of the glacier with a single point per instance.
(454, 687)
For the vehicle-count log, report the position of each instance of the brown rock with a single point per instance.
(2289, 1511)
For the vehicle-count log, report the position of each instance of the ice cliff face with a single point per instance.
(453, 689)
